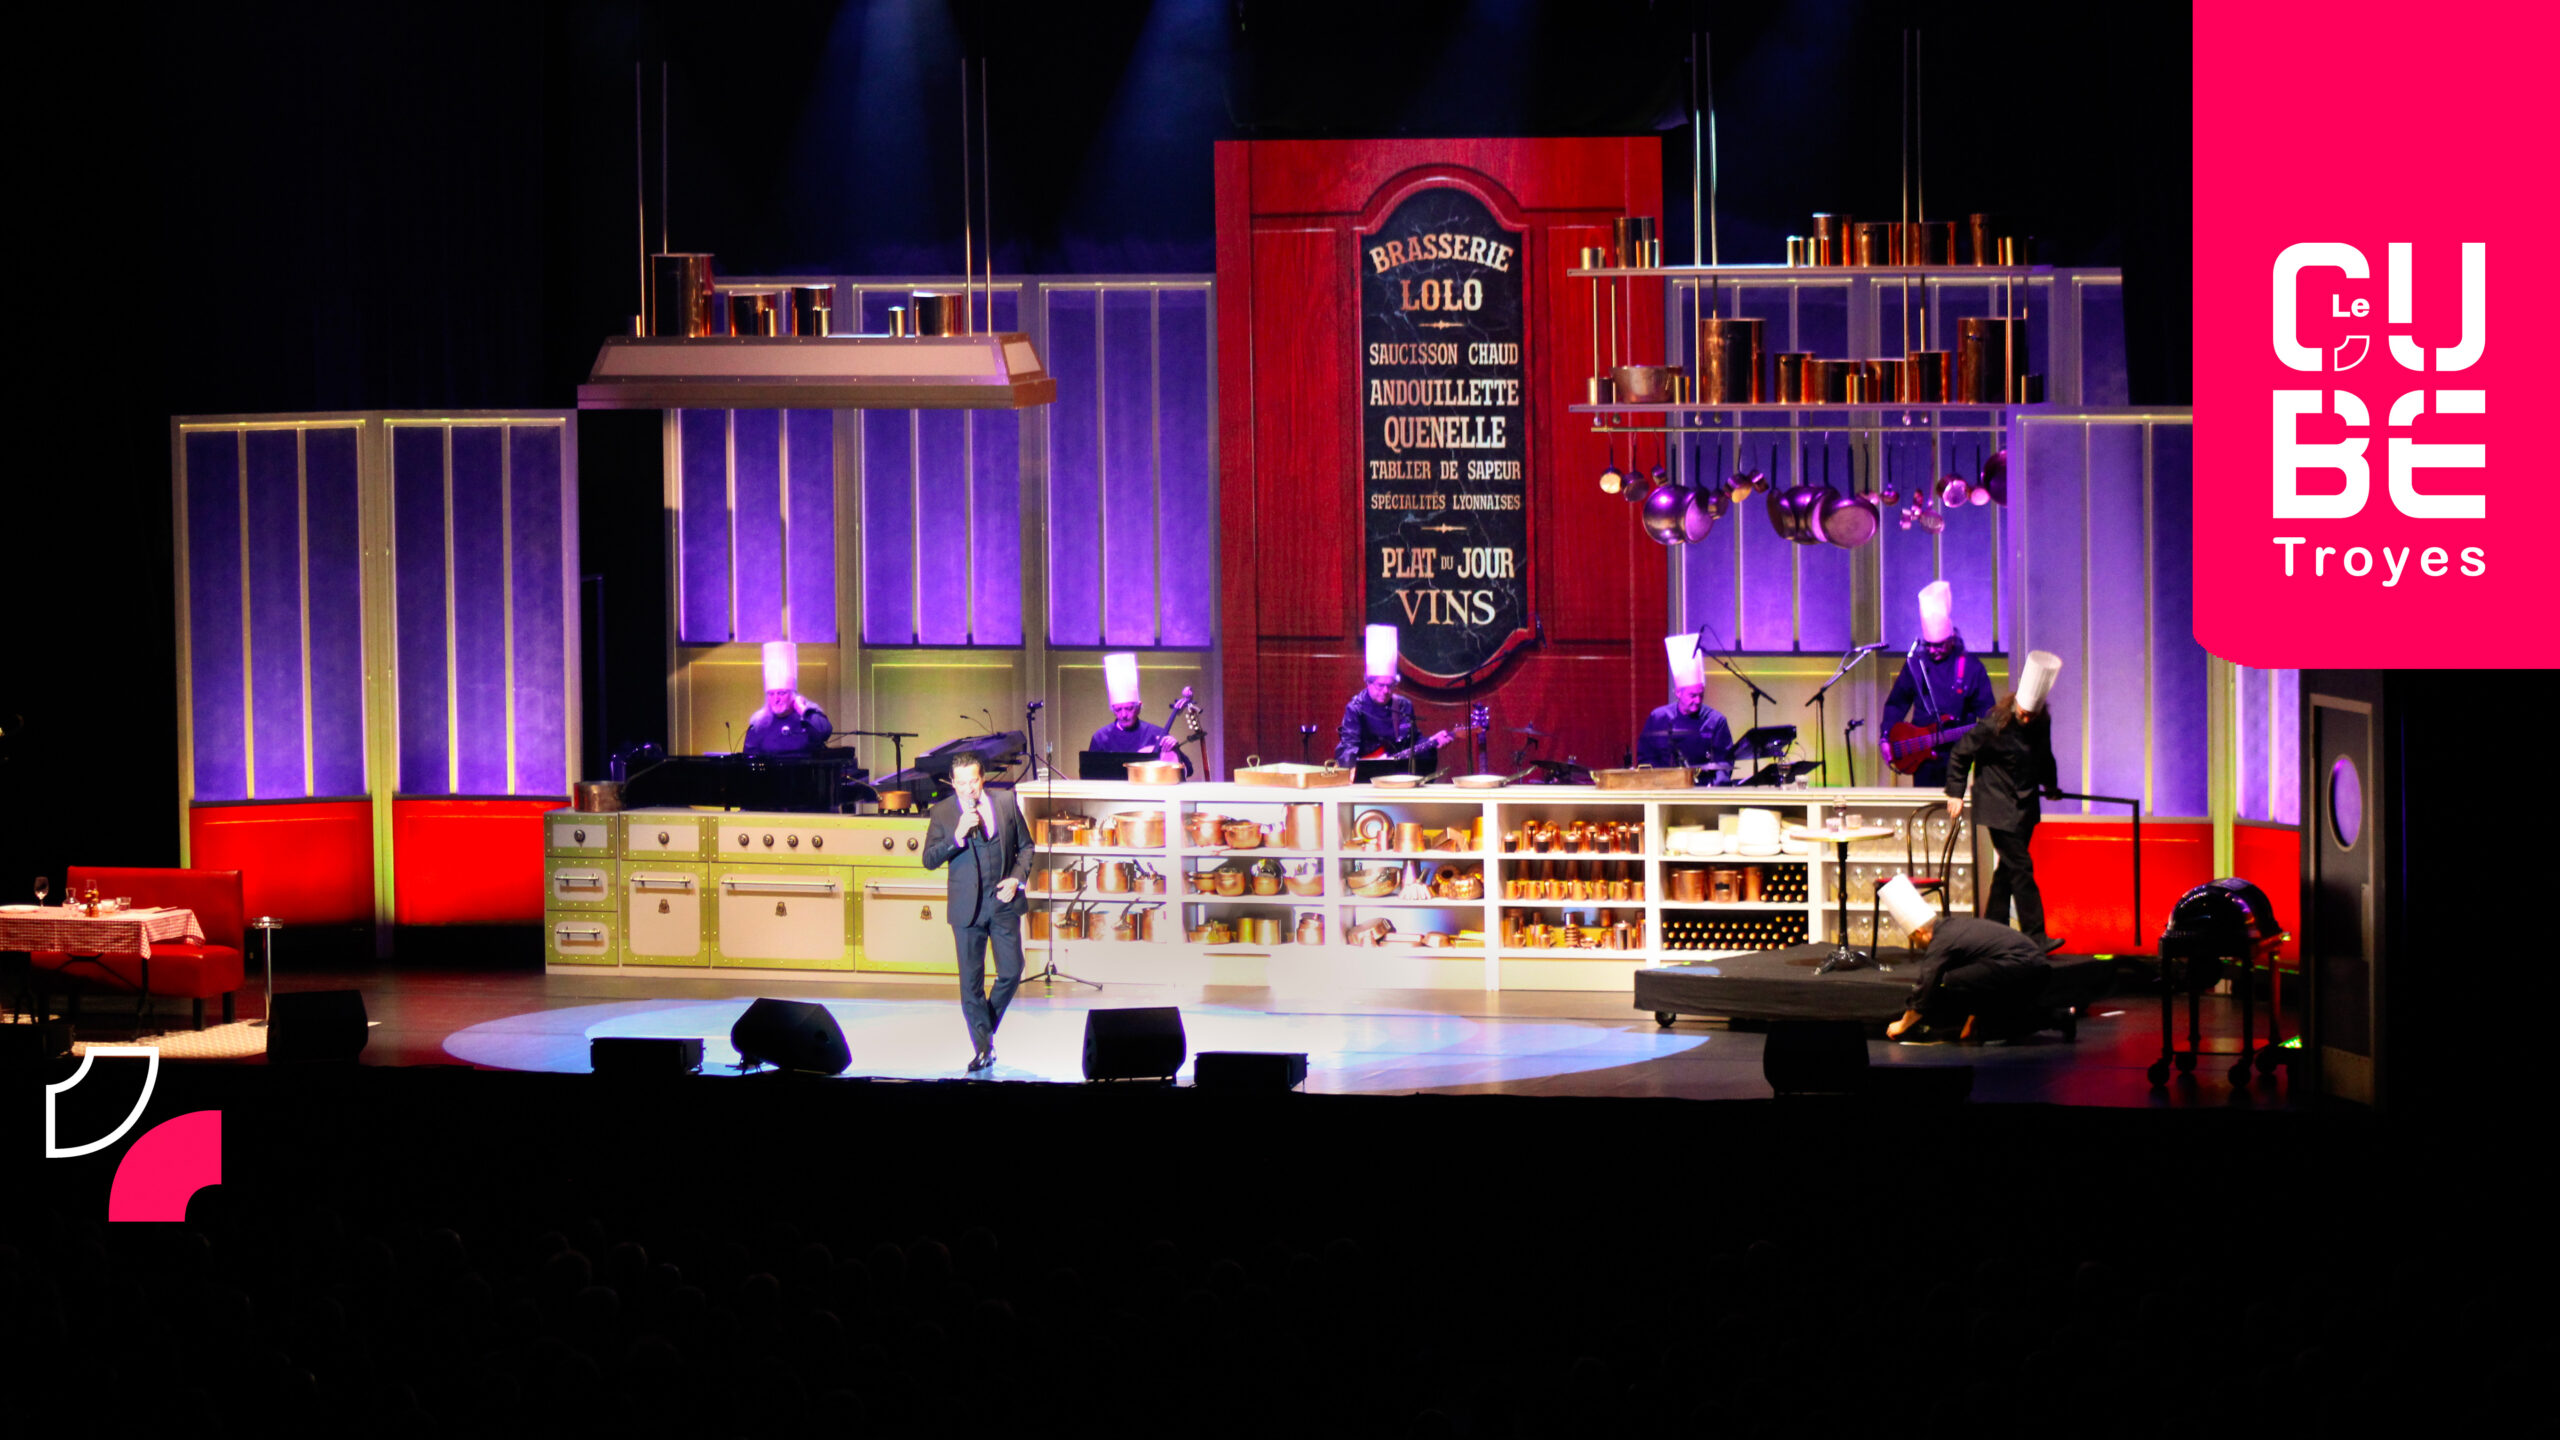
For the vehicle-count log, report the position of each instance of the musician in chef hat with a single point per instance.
(1129, 732)
(2009, 760)
(1378, 723)
(1973, 971)
(1688, 733)
(790, 723)
(1941, 691)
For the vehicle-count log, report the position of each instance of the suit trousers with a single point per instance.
(2015, 879)
(984, 1011)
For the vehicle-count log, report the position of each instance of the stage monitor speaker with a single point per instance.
(644, 1056)
(1265, 1070)
(1139, 1043)
(1815, 1057)
(317, 1025)
(790, 1035)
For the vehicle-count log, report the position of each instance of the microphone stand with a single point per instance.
(1822, 709)
(1049, 974)
(1757, 694)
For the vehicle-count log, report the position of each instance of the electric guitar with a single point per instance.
(1907, 746)
(1429, 742)
(1189, 709)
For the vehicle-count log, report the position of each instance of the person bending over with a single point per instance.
(1971, 968)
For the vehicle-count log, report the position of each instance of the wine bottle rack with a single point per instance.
(1772, 932)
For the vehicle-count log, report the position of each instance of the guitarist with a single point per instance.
(1130, 733)
(1378, 723)
(1940, 684)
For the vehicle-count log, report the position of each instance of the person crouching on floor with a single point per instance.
(1972, 968)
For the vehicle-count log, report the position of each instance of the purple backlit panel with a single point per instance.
(2249, 760)
(540, 700)
(811, 435)
(2103, 379)
(334, 574)
(1186, 483)
(417, 538)
(2117, 645)
(942, 527)
(888, 527)
(479, 610)
(755, 490)
(216, 699)
(1075, 471)
(1709, 568)
(1768, 576)
(1822, 322)
(2179, 733)
(275, 614)
(1970, 547)
(1909, 560)
(2284, 750)
(2056, 570)
(1128, 468)
(1822, 571)
(703, 454)
(995, 498)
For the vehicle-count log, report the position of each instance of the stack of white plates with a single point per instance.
(1685, 839)
(1758, 833)
(1793, 846)
(1710, 843)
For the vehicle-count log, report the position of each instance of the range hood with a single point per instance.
(818, 372)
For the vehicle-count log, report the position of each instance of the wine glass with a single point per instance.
(43, 883)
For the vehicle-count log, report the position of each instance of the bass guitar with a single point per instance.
(1907, 747)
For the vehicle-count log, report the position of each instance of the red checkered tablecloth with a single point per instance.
(130, 932)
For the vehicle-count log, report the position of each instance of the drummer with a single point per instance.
(789, 723)
(1688, 733)
(1130, 733)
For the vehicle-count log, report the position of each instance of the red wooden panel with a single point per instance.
(1327, 177)
(306, 864)
(467, 862)
(1305, 433)
(2270, 857)
(1238, 535)
(2086, 873)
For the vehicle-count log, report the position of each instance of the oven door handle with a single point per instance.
(662, 882)
(791, 887)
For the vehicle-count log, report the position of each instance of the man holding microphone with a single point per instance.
(979, 833)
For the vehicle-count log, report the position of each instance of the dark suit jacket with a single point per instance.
(1962, 940)
(978, 864)
(2016, 762)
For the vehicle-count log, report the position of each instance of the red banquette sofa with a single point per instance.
(197, 972)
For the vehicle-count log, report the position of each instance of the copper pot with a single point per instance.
(1791, 365)
(1688, 885)
(1991, 360)
(1826, 382)
(596, 797)
(1154, 772)
(896, 802)
(1884, 380)
(1266, 884)
(1724, 884)
(1139, 829)
(1228, 882)
(1875, 242)
(1206, 829)
(1151, 883)
(1114, 879)
(1242, 835)
(1933, 242)
(1728, 355)
(1829, 243)
(1306, 827)
(1311, 929)
(1039, 924)
(680, 302)
(1409, 835)
(1751, 883)
(813, 309)
(1924, 378)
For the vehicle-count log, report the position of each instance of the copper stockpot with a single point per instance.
(1114, 879)
(1039, 924)
(1409, 835)
(1934, 243)
(1688, 885)
(1139, 829)
(1154, 772)
(1207, 830)
(1829, 243)
(1151, 883)
(1306, 827)
(1265, 883)
(1242, 835)
(1796, 250)
(1875, 242)
(1826, 382)
(936, 313)
(813, 309)
(752, 312)
(1982, 233)
(1884, 380)
(1751, 883)
(1311, 928)
(1790, 368)
(1991, 359)
(1924, 378)
(1724, 884)
(1228, 882)
(681, 296)
(1728, 358)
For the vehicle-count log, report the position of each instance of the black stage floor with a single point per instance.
(1787, 985)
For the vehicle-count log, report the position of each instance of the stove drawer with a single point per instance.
(579, 884)
(906, 926)
(579, 938)
(678, 837)
(570, 832)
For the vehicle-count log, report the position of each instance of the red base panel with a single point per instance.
(2086, 874)
(306, 864)
(467, 862)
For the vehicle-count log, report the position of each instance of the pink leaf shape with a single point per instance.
(166, 1167)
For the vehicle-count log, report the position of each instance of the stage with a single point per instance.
(1374, 1042)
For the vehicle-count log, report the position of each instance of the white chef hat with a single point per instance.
(1688, 667)
(1120, 675)
(1382, 650)
(1902, 901)
(1937, 611)
(781, 665)
(2036, 681)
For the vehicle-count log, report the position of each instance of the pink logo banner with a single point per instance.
(2377, 269)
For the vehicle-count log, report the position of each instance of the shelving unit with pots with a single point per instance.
(1525, 888)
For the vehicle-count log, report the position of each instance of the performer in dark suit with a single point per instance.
(1130, 733)
(979, 833)
(1939, 685)
(1688, 732)
(2009, 757)
(1972, 968)
(1378, 722)
(788, 723)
